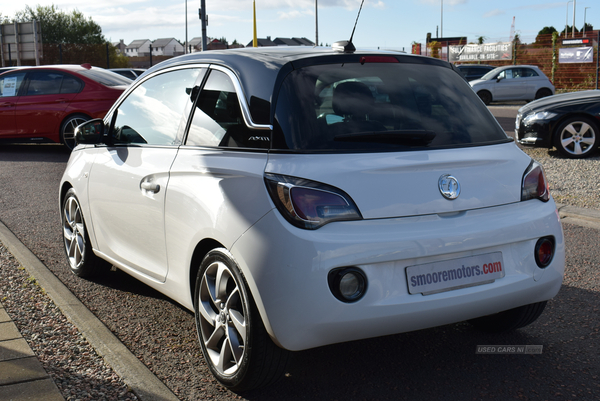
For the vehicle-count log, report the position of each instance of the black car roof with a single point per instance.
(258, 68)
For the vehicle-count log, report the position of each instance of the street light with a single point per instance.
(316, 22)
(442, 20)
(567, 20)
(584, 11)
(573, 28)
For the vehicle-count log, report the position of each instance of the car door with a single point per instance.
(128, 181)
(10, 84)
(217, 180)
(41, 109)
(511, 86)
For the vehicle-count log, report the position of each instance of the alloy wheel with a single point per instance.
(577, 138)
(223, 322)
(74, 232)
(68, 130)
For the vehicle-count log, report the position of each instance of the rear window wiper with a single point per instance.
(402, 137)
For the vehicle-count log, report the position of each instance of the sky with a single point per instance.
(383, 24)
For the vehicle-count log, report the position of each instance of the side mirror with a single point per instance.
(90, 133)
(498, 79)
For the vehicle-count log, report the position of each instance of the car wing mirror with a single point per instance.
(90, 132)
(498, 79)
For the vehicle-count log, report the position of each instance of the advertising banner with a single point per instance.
(484, 52)
(576, 55)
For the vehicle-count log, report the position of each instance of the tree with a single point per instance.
(547, 30)
(569, 30)
(543, 36)
(59, 27)
(588, 27)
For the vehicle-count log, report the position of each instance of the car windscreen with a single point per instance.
(492, 74)
(380, 106)
(104, 77)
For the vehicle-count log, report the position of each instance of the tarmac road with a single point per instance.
(438, 363)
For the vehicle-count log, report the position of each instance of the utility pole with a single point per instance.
(204, 20)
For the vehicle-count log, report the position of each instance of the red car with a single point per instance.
(45, 104)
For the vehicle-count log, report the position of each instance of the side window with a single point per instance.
(152, 112)
(217, 118)
(70, 84)
(10, 84)
(528, 72)
(44, 83)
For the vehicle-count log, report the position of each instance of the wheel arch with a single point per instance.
(71, 114)
(488, 92)
(201, 250)
(577, 114)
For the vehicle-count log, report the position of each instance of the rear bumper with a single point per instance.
(286, 269)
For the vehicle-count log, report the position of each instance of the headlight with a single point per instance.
(542, 115)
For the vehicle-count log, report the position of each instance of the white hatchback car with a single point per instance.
(513, 82)
(299, 197)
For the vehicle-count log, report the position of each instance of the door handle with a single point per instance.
(61, 100)
(150, 186)
(6, 104)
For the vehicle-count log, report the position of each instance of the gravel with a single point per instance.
(67, 357)
(573, 182)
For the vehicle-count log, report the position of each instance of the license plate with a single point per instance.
(453, 274)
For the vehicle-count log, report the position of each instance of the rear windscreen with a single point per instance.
(380, 106)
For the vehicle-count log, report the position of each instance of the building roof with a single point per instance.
(163, 42)
(304, 41)
(136, 44)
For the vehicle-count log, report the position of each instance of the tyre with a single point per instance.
(67, 129)
(576, 137)
(82, 260)
(235, 344)
(485, 96)
(544, 92)
(511, 319)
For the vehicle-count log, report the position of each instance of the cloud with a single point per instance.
(493, 13)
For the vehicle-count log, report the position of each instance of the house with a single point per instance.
(139, 47)
(262, 42)
(167, 47)
(304, 41)
(283, 42)
(212, 44)
(120, 46)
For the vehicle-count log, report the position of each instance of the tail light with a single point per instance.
(309, 204)
(534, 184)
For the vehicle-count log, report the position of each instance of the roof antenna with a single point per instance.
(346, 46)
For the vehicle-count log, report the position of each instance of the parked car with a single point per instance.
(45, 104)
(513, 82)
(474, 71)
(299, 197)
(569, 121)
(131, 73)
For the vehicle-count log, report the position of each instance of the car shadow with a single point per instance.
(442, 363)
(53, 153)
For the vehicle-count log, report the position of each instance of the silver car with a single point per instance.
(513, 82)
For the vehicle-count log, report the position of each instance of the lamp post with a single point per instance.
(317, 22)
(186, 31)
(442, 19)
(567, 20)
(584, 12)
(573, 28)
